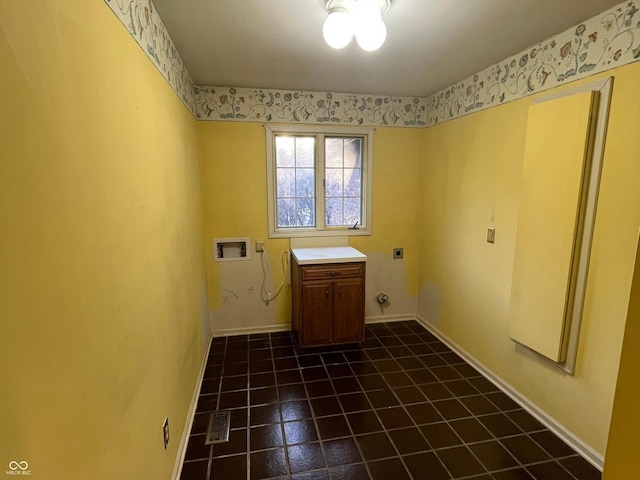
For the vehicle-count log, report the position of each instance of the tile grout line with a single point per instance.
(248, 439)
(522, 432)
(281, 423)
(406, 412)
(311, 409)
(446, 420)
(401, 404)
(344, 413)
(494, 405)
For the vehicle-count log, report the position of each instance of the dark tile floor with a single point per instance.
(399, 406)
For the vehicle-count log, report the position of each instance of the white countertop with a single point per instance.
(306, 256)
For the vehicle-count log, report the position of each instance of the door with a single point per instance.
(348, 310)
(551, 210)
(316, 305)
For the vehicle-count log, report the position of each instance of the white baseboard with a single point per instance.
(285, 327)
(584, 450)
(389, 318)
(227, 332)
(184, 440)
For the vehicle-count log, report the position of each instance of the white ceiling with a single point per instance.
(431, 44)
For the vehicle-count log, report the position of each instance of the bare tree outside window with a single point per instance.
(343, 181)
(295, 181)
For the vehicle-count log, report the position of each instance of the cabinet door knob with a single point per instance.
(326, 293)
(339, 291)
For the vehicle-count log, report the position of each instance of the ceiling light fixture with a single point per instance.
(362, 18)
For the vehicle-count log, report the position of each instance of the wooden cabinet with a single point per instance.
(328, 303)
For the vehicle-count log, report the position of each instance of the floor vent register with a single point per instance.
(219, 424)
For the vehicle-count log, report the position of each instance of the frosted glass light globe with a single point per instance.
(371, 35)
(337, 29)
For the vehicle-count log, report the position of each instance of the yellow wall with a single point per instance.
(234, 188)
(101, 268)
(622, 460)
(233, 164)
(471, 180)
(397, 157)
(103, 219)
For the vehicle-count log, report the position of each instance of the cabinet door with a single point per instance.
(316, 305)
(348, 310)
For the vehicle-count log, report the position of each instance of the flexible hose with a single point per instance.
(264, 262)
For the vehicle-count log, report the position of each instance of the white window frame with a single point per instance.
(319, 132)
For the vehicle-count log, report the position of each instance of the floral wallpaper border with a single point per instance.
(263, 105)
(143, 22)
(604, 42)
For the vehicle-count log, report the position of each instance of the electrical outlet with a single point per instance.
(491, 235)
(165, 432)
(259, 247)
(398, 253)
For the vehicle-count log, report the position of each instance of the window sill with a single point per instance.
(349, 232)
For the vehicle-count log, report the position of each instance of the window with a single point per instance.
(319, 181)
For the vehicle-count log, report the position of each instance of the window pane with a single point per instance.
(306, 212)
(334, 152)
(352, 182)
(353, 153)
(285, 156)
(286, 178)
(334, 213)
(333, 182)
(305, 151)
(286, 213)
(300, 179)
(352, 211)
(295, 181)
(343, 180)
(305, 182)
